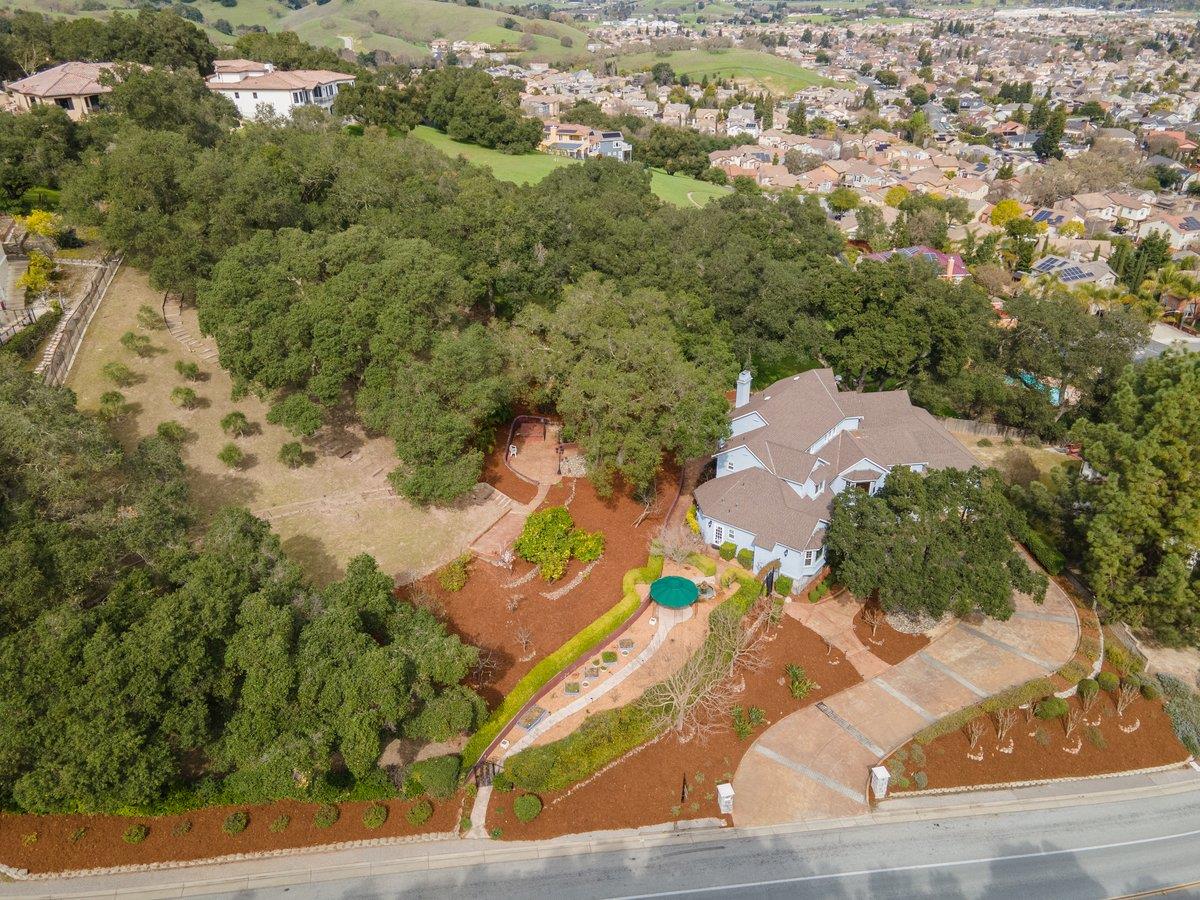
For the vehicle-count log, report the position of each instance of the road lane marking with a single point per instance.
(915, 867)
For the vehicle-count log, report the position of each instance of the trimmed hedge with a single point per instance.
(420, 813)
(539, 675)
(26, 341)
(1048, 556)
(783, 585)
(706, 565)
(727, 550)
(745, 558)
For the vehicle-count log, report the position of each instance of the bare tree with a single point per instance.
(485, 667)
(1087, 698)
(512, 603)
(873, 617)
(525, 638)
(428, 601)
(1128, 693)
(676, 544)
(975, 730)
(1005, 720)
(1073, 720)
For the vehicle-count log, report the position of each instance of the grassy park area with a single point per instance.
(773, 72)
(530, 168)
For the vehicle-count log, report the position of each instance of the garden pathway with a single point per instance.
(814, 763)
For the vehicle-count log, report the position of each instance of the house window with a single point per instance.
(718, 534)
(296, 97)
(812, 557)
(317, 91)
(254, 95)
(236, 95)
(864, 486)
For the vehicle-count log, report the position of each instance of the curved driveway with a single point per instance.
(813, 763)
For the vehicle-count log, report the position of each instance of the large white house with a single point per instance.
(794, 447)
(253, 86)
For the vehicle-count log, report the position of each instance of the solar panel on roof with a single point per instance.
(1191, 222)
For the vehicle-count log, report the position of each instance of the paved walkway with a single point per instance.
(813, 763)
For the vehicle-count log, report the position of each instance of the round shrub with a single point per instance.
(1051, 708)
(527, 807)
(1108, 681)
(184, 397)
(1150, 689)
(1088, 688)
(231, 455)
(135, 834)
(419, 813)
(327, 815)
(235, 823)
(236, 424)
(280, 823)
(291, 455)
(172, 431)
(375, 815)
(119, 374)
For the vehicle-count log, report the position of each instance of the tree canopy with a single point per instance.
(934, 543)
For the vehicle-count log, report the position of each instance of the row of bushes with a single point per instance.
(608, 735)
(25, 342)
(539, 675)
(1014, 696)
(1048, 556)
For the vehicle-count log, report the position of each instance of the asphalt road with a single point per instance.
(1102, 850)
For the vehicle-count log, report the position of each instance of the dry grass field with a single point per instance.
(326, 512)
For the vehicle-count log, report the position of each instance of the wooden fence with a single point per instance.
(60, 353)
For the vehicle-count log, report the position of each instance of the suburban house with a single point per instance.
(742, 120)
(950, 266)
(75, 86)
(1180, 231)
(251, 85)
(584, 142)
(793, 448)
(1073, 273)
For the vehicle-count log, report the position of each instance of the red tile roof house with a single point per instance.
(251, 86)
(793, 448)
(950, 265)
(75, 86)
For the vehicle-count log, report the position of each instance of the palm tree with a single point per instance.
(1098, 298)
(1175, 290)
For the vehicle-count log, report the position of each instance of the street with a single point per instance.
(1101, 850)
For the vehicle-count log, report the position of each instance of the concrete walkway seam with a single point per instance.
(951, 674)
(804, 770)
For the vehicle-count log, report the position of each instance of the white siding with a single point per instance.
(730, 461)
(745, 423)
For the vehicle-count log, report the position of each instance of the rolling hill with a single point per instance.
(779, 75)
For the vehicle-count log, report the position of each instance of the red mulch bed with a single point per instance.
(500, 476)
(102, 844)
(1153, 744)
(644, 787)
(888, 644)
(479, 612)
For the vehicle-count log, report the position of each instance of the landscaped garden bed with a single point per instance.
(645, 787)
(882, 639)
(1039, 748)
(73, 842)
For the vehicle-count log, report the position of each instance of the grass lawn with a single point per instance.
(326, 512)
(1016, 462)
(530, 168)
(779, 75)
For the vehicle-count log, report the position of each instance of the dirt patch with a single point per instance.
(326, 512)
(1039, 749)
(64, 843)
(498, 606)
(885, 642)
(499, 476)
(645, 787)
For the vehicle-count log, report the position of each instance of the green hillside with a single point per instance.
(782, 76)
(530, 168)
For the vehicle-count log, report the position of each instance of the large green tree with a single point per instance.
(934, 543)
(1140, 512)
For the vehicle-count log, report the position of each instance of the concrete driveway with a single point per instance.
(813, 764)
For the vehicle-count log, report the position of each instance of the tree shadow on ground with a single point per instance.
(312, 556)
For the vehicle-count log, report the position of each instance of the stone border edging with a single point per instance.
(1004, 785)
(25, 875)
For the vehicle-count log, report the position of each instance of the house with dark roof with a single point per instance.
(1073, 273)
(950, 266)
(798, 444)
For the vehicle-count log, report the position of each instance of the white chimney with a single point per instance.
(742, 397)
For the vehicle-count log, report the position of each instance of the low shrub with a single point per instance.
(112, 405)
(727, 550)
(437, 776)
(783, 586)
(464, 823)
(25, 343)
(549, 540)
(745, 721)
(236, 424)
(527, 807)
(692, 522)
(921, 780)
(901, 783)
(231, 455)
(495, 832)
(172, 431)
(1087, 688)
(188, 370)
(1048, 556)
(1051, 708)
(706, 565)
(917, 755)
(1183, 707)
(184, 397)
(1150, 689)
(119, 374)
(374, 815)
(280, 823)
(327, 815)
(1108, 682)
(1073, 671)
(609, 656)
(78, 834)
(1096, 737)
(1042, 737)
(745, 558)
(1014, 696)
(1122, 660)
(587, 546)
(179, 829)
(150, 318)
(137, 343)
(235, 823)
(419, 813)
(984, 442)
(135, 834)
(818, 593)
(453, 576)
(799, 684)
(291, 455)
(502, 782)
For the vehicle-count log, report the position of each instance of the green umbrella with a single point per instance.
(674, 592)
